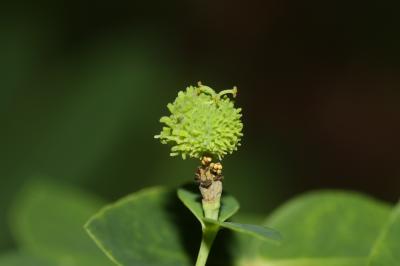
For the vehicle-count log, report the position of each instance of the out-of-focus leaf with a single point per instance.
(22, 259)
(336, 227)
(145, 228)
(386, 251)
(47, 220)
(306, 262)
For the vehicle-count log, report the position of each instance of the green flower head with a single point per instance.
(202, 122)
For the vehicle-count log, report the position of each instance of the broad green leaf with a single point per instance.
(192, 200)
(305, 262)
(47, 220)
(386, 251)
(332, 226)
(329, 228)
(229, 206)
(248, 218)
(257, 231)
(327, 224)
(22, 259)
(150, 227)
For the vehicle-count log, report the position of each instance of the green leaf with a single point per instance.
(146, 228)
(22, 259)
(307, 262)
(331, 225)
(192, 200)
(261, 232)
(151, 227)
(249, 218)
(386, 251)
(47, 220)
(229, 206)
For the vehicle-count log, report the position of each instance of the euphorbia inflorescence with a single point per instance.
(202, 122)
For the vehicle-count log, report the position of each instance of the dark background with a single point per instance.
(83, 86)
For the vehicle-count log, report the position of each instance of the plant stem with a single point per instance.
(211, 209)
(211, 199)
(211, 203)
(209, 234)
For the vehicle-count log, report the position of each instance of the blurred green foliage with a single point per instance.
(318, 228)
(21, 259)
(385, 250)
(80, 102)
(87, 119)
(130, 234)
(46, 221)
(87, 115)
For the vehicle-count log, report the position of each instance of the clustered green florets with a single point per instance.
(202, 122)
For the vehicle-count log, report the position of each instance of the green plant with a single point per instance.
(151, 227)
(160, 225)
(205, 125)
(148, 228)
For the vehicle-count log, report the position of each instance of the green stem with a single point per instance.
(211, 209)
(211, 204)
(209, 234)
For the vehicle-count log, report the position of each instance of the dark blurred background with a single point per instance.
(84, 85)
